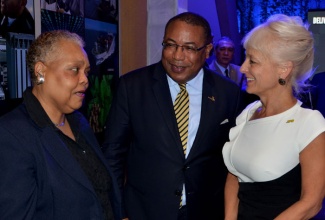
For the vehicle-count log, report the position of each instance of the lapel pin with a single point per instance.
(211, 98)
(290, 121)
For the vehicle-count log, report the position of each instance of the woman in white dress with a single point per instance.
(276, 152)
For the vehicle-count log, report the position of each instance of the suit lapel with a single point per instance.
(63, 157)
(162, 94)
(209, 99)
(233, 73)
(218, 69)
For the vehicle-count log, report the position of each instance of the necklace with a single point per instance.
(60, 124)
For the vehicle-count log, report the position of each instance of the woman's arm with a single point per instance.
(231, 198)
(312, 161)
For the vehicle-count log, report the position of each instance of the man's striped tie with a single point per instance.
(181, 107)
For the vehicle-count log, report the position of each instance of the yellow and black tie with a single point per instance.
(181, 107)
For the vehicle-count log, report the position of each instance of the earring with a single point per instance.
(282, 82)
(40, 79)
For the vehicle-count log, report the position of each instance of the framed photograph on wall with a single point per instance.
(96, 21)
(17, 31)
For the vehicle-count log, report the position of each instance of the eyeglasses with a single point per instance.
(185, 48)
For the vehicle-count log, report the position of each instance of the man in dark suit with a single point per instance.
(161, 177)
(224, 51)
(16, 18)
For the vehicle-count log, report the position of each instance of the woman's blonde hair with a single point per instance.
(284, 38)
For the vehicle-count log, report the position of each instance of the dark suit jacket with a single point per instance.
(39, 177)
(142, 137)
(23, 24)
(234, 73)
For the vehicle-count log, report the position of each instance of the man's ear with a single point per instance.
(209, 47)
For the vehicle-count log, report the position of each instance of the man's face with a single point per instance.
(183, 64)
(12, 8)
(224, 53)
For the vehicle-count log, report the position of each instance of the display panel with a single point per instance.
(17, 31)
(316, 20)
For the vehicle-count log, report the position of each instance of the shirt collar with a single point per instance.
(35, 109)
(222, 68)
(10, 21)
(195, 83)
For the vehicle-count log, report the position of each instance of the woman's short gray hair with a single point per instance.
(45, 46)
